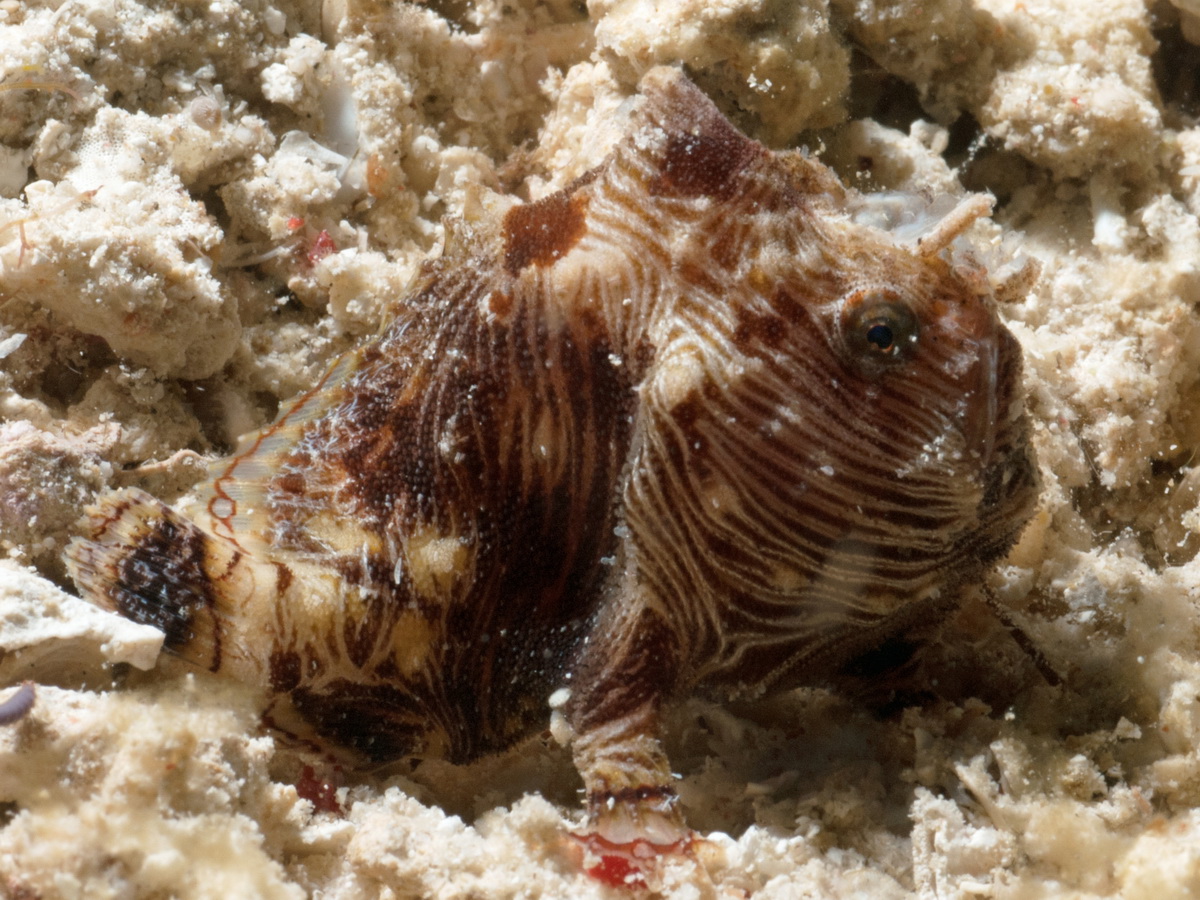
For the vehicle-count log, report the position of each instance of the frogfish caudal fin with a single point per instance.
(142, 559)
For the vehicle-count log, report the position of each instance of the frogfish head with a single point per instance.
(934, 379)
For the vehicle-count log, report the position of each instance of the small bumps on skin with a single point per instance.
(683, 425)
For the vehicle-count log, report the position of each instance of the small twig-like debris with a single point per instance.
(41, 86)
(16, 707)
(20, 224)
(955, 223)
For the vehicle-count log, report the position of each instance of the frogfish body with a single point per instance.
(686, 424)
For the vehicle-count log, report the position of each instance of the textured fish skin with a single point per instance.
(683, 425)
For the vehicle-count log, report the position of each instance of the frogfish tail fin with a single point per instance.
(142, 559)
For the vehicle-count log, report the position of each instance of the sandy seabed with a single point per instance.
(202, 203)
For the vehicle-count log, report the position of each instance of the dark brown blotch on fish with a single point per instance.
(539, 233)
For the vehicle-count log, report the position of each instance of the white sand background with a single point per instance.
(167, 171)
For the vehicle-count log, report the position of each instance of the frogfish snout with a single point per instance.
(992, 424)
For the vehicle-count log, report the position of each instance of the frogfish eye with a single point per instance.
(880, 335)
(878, 326)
